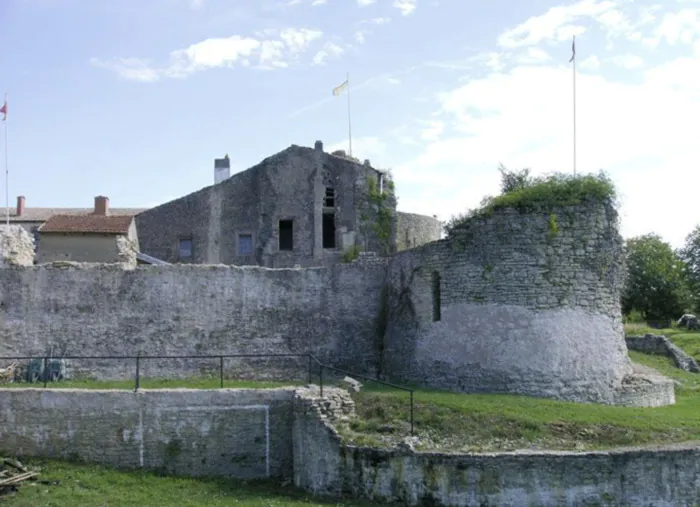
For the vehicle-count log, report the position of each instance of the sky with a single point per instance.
(134, 99)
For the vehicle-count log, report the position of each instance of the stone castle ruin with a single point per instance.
(511, 302)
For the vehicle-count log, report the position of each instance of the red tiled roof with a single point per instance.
(43, 214)
(88, 223)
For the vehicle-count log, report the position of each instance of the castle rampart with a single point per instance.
(513, 302)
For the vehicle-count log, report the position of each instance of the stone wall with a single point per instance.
(514, 302)
(99, 310)
(662, 346)
(16, 246)
(240, 433)
(414, 230)
(290, 185)
(323, 465)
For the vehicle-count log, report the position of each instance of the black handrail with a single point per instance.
(221, 357)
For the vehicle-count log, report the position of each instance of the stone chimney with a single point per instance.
(20, 205)
(318, 146)
(101, 205)
(222, 169)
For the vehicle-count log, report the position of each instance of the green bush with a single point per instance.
(352, 253)
(543, 193)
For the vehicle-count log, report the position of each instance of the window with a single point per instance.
(286, 230)
(329, 198)
(437, 311)
(245, 244)
(185, 248)
(329, 230)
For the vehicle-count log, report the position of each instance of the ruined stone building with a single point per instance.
(301, 206)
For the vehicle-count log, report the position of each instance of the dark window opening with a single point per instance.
(329, 199)
(245, 244)
(437, 311)
(186, 248)
(286, 235)
(328, 230)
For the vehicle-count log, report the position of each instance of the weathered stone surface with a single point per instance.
(351, 384)
(323, 465)
(513, 304)
(241, 433)
(662, 346)
(290, 185)
(415, 230)
(689, 321)
(99, 310)
(16, 246)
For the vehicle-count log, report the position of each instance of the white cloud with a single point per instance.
(365, 3)
(196, 4)
(272, 48)
(628, 61)
(329, 50)
(519, 111)
(590, 63)
(406, 7)
(318, 2)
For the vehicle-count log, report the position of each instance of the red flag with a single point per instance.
(3, 110)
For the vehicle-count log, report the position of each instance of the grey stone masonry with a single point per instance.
(323, 465)
(513, 302)
(100, 310)
(414, 230)
(662, 346)
(301, 206)
(239, 433)
(16, 246)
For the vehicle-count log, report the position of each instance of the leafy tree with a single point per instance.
(690, 254)
(512, 181)
(656, 284)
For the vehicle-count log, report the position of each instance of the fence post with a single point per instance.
(320, 378)
(46, 371)
(138, 372)
(310, 371)
(221, 370)
(411, 392)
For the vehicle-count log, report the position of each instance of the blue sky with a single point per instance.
(134, 99)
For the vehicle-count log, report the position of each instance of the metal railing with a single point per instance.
(45, 375)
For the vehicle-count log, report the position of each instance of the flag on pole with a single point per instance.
(573, 50)
(3, 110)
(340, 88)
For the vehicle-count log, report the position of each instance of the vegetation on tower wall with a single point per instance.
(525, 193)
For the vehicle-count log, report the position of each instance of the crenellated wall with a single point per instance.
(513, 302)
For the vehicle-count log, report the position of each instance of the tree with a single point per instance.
(512, 181)
(690, 254)
(656, 280)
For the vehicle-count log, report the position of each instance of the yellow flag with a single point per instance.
(339, 89)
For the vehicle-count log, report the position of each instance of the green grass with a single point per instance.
(486, 422)
(74, 485)
(189, 383)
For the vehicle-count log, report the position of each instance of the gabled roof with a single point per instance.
(96, 224)
(43, 214)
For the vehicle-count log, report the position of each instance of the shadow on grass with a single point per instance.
(74, 484)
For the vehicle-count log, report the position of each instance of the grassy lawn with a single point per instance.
(72, 485)
(193, 383)
(456, 422)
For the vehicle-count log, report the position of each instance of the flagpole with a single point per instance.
(349, 120)
(574, 71)
(7, 174)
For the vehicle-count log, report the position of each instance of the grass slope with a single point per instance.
(74, 485)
